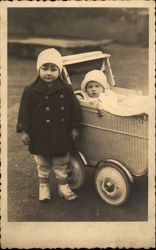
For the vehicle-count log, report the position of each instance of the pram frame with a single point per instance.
(126, 172)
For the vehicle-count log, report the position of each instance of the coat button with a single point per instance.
(47, 121)
(62, 120)
(46, 97)
(62, 108)
(61, 96)
(47, 108)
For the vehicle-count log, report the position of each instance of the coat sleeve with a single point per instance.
(75, 110)
(24, 113)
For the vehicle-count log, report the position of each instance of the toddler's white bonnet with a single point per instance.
(50, 55)
(97, 76)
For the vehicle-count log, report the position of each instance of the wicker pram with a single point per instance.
(117, 146)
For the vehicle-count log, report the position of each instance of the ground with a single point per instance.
(130, 66)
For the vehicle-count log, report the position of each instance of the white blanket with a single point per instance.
(121, 105)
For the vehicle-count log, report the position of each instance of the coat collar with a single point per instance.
(41, 86)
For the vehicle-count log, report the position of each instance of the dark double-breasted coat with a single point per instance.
(48, 115)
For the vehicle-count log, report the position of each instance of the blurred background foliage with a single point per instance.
(123, 25)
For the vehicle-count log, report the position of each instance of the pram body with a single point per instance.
(116, 146)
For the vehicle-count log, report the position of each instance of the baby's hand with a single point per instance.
(25, 138)
(95, 103)
(79, 97)
(74, 133)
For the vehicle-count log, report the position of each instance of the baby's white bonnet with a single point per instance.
(97, 76)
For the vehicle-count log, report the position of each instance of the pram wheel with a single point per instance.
(76, 172)
(112, 184)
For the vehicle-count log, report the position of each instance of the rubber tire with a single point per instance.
(126, 181)
(77, 171)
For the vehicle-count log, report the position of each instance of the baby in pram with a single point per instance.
(95, 90)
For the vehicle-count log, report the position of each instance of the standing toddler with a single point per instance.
(48, 120)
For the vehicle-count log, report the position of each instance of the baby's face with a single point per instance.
(49, 72)
(94, 89)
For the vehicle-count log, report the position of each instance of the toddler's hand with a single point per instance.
(25, 138)
(74, 133)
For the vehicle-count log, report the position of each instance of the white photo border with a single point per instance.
(78, 234)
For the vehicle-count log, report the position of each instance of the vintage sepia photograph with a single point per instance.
(78, 116)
